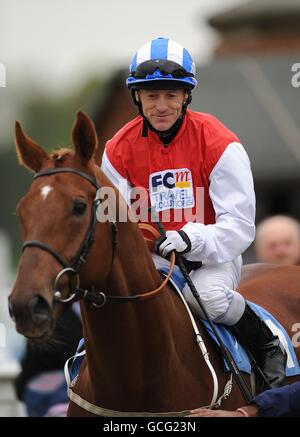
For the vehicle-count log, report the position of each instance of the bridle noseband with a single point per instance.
(96, 298)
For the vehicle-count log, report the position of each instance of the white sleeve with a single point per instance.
(114, 176)
(233, 198)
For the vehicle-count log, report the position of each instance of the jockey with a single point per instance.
(188, 160)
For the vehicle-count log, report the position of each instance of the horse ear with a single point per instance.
(84, 136)
(99, 152)
(30, 154)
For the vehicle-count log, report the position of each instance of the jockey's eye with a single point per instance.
(79, 207)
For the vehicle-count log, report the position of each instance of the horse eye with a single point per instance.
(79, 208)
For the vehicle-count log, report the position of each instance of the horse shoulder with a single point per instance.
(250, 271)
(276, 288)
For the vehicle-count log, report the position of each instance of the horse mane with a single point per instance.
(61, 154)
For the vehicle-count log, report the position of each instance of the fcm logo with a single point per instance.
(171, 189)
(171, 179)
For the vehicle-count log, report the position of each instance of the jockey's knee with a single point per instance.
(222, 304)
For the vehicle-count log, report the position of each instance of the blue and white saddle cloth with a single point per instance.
(237, 350)
(72, 365)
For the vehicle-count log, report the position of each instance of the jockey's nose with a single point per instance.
(161, 104)
(37, 309)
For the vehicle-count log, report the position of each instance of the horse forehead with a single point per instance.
(45, 191)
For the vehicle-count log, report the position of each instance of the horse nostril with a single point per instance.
(10, 310)
(40, 309)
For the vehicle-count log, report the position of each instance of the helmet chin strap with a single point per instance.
(168, 135)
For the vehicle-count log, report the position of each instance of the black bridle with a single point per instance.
(80, 258)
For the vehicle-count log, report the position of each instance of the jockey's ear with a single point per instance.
(30, 154)
(84, 136)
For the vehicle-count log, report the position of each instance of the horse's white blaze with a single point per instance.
(45, 191)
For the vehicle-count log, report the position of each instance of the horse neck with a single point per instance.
(127, 326)
(137, 347)
(128, 267)
(133, 270)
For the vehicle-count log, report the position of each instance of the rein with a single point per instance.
(96, 298)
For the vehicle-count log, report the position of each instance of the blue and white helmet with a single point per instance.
(162, 63)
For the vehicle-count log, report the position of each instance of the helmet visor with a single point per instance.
(165, 67)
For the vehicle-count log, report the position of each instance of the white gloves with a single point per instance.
(174, 240)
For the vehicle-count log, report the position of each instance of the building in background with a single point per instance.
(112, 108)
(249, 87)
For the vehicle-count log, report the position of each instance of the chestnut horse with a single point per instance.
(141, 353)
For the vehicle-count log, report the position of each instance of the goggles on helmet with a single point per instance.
(165, 66)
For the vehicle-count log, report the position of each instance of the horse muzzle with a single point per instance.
(33, 317)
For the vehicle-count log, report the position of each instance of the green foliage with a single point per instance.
(14, 181)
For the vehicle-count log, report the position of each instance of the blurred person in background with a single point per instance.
(278, 240)
(41, 385)
(14, 342)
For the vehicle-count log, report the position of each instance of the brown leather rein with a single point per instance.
(155, 233)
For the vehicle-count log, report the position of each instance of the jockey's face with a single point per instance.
(162, 107)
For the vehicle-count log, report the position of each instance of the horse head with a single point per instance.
(57, 217)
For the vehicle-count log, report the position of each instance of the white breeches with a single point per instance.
(216, 285)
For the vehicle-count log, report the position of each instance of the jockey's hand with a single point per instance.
(174, 240)
(247, 411)
(204, 412)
